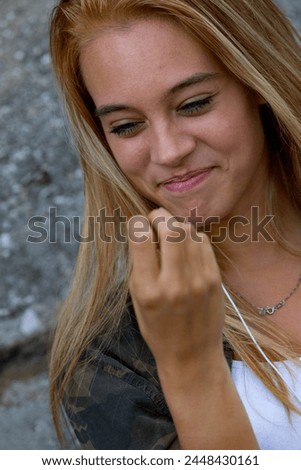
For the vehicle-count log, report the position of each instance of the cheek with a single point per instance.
(241, 134)
(131, 158)
(221, 130)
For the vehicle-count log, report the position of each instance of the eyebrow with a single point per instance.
(110, 108)
(195, 79)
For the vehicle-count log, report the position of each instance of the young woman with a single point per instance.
(182, 327)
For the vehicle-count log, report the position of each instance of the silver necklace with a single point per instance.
(272, 365)
(271, 309)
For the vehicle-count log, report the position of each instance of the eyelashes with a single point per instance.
(190, 108)
(194, 107)
(125, 130)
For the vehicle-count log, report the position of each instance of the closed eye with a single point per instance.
(195, 107)
(128, 129)
(189, 108)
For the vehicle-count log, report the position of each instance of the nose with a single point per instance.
(170, 144)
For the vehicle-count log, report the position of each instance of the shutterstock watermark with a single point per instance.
(117, 227)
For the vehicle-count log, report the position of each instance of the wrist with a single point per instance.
(194, 376)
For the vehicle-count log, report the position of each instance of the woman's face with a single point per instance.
(183, 130)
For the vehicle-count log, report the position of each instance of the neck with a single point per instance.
(250, 243)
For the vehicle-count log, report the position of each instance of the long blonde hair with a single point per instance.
(254, 41)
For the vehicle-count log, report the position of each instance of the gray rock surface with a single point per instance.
(38, 170)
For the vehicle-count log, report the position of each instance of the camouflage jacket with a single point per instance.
(115, 400)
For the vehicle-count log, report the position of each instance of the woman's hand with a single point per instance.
(175, 286)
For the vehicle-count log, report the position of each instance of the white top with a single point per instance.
(269, 418)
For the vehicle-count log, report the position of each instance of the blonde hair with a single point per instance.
(254, 41)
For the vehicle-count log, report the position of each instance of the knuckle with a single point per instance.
(148, 299)
(213, 281)
(208, 282)
(175, 293)
(198, 287)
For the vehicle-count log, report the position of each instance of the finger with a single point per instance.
(143, 251)
(199, 248)
(172, 236)
(202, 257)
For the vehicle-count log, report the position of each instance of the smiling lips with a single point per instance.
(180, 184)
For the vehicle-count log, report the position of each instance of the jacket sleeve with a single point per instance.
(115, 400)
(112, 407)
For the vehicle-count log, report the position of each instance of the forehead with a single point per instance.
(150, 51)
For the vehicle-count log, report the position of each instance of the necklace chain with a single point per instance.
(270, 310)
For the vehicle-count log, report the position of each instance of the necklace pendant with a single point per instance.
(266, 310)
(270, 310)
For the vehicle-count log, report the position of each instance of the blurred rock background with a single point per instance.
(38, 170)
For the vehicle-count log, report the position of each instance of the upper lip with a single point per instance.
(185, 176)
